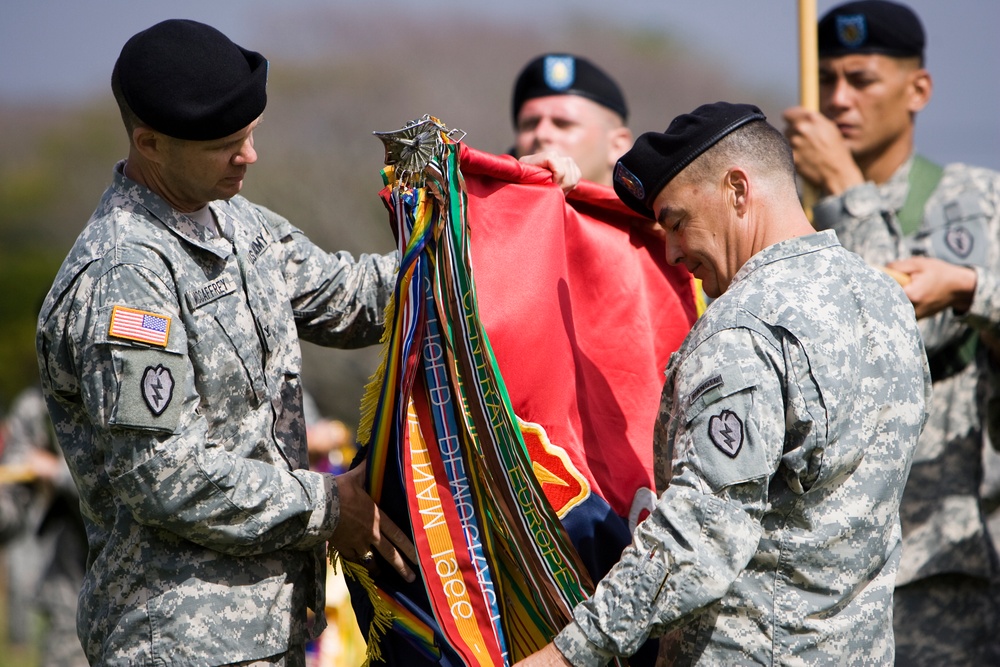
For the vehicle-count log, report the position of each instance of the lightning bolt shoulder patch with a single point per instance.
(720, 438)
(157, 388)
(726, 432)
(148, 388)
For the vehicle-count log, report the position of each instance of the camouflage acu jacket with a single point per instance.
(944, 530)
(787, 424)
(170, 362)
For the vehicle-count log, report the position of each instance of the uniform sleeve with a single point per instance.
(726, 431)
(991, 399)
(338, 301)
(984, 313)
(143, 404)
(861, 225)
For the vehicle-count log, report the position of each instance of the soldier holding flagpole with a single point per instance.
(939, 227)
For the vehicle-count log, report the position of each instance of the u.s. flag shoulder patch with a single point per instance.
(139, 325)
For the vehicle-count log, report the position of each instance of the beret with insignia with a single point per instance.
(656, 157)
(871, 26)
(566, 74)
(189, 81)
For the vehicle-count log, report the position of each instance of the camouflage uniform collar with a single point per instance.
(893, 192)
(799, 245)
(182, 225)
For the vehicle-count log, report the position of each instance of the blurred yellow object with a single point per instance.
(14, 474)
(341, 644)
(700, 300)
(898, 276)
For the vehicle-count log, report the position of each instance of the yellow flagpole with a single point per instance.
(16, 473)
(808, 80)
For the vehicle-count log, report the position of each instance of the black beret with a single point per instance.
(189, 81)
(566, 74)
(656, 157)
(871, 26)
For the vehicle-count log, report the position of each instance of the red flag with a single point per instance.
(582, 311)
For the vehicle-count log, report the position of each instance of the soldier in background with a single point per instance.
(565, 103)
(42, 534)
(940, 227)
(790, 415)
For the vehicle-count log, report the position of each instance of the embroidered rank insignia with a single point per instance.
(139, 325)
(726, 431)
(157, 388)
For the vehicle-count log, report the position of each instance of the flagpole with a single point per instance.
(808, 80)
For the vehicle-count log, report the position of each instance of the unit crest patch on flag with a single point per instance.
(563, 485)
(139, 325)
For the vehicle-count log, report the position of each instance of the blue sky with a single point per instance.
(64, 49)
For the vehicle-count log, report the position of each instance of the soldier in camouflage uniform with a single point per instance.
(169, 354)
(787, 424)
(42, 534)
(941, 227)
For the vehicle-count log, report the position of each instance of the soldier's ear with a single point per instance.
(619, 141)
(148, 142)
(738, 185)
(921, 87)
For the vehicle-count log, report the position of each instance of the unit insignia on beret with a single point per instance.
(871, 26)
(629, 181)
(566, 74)
(851, 30)
(559, 72)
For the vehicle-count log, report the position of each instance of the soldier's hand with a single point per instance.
(935, 285)
(363, 530)
(821, 155)
(565, 172)
(546, 657)
(44, 465)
